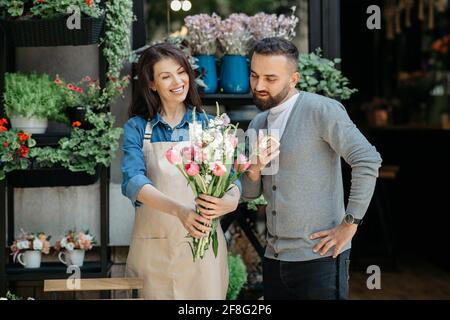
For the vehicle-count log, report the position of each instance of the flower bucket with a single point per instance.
(30, 259)
(234, 74)
(207, 64)
(74, 257)
(30, 124)
(52, 32)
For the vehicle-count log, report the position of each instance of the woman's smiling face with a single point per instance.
(170, 80)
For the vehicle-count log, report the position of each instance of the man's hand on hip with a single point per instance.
(337, 237)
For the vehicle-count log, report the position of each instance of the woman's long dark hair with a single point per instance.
(146, 102)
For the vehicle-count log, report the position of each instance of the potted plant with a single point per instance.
(263, 25)
(237, 276)
(14, 150)
(52, 22)
(28, 248)
(76, 96)
(72, 247)
(320, 75)
(202, 37)
(234, 39)
(31, 100)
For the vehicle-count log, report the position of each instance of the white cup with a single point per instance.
(31, 259)
(74, 257)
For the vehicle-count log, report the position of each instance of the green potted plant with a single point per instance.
(52, 22)
(31, 100)
(320, 75)
(237, 276)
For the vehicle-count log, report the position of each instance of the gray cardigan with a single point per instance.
(306, 194)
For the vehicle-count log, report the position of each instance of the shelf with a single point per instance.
(49, 139)
(54, 270)
(50, 177)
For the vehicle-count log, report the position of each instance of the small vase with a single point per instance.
(234, 74)
(207, 64)
(31, 259)
(74, 257)
(29, 124)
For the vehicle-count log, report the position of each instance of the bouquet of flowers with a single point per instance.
(14, 151)
(264, 25)
(203, 33)
(30, 241)
(234, 34)
(73, 240)
(210, 164)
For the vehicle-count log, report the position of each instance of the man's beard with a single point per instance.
(271, 101)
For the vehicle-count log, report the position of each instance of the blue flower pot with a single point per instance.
(207, 64)
(234, 74)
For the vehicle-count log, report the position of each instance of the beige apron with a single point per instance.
(159, 250)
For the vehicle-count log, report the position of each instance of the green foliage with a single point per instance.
(33, 96)
(237, 276)
(119, 17)
(320, 75)
(49, 9)
(252, 205)
(85, 149)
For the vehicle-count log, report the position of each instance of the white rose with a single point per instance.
(70, 246)
(23, 244)
(37, 244)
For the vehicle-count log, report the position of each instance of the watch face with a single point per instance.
(349, 219)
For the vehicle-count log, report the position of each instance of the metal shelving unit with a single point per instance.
(10, 272)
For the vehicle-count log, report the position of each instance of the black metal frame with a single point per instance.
(10, 273)
(325, 27)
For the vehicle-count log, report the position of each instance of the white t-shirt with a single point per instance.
(278, 116)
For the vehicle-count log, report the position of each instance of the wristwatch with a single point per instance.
(350, 219)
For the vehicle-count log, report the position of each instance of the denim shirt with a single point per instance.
(133, 163)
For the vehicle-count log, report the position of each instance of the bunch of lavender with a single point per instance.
(234, 35)
(203, 32)
(263, 25)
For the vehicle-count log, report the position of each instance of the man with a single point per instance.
(309, 231)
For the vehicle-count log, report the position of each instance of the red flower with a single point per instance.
(3, 129)
(23, 136)
(76, 124)
(3, 121)
(40, 1)
(87, 79)
(58, 81)
(78, 89)
(89, 2)
(70, 86)
(5, 144)
(23, 151)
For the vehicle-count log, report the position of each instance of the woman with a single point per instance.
(159, 251)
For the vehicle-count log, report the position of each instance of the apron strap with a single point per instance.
(148, 131)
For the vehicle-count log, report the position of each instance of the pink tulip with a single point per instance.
(188, 153)
(241, 164)
(192, 169)
(219, 169)
(173, 156)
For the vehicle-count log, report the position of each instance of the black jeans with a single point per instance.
(320, 279)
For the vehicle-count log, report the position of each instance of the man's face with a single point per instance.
(272, 78)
